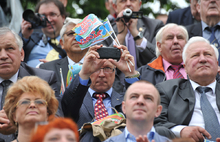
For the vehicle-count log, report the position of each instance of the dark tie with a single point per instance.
(176, 69)
(132, 47)
(209, 115)
(100, 109)
(5, 84)
(213, 39)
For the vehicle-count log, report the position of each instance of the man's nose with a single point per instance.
(101, 73)
(140, 100)
(202, 58)
(3, 54)
(128, 2)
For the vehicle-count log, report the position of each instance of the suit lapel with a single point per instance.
(187, 94)
(63, 64)
(217, 92)
(116, 99)
(89, 104)
(22, 72)
(197, 30)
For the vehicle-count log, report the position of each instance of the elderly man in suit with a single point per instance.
(138, 34)
(141, 105)
(210, 21)
(170, 41)
(11, 68)
(185, 16)
(95, 79)
(191, 106)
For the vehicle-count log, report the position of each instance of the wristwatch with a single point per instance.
(139, 36)
(134, 76)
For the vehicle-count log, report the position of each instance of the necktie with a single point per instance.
(5, 84)
(100, 109)
(213, 39)
(131, 47)
(176, 73)
(209, 115)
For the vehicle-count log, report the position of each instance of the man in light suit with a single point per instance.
(185, 16)
(11, 68)
(182, 114)
(141, 105)
(78, 101)
(142, 32)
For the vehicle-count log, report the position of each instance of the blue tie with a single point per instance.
(213, 39)
(209, 115)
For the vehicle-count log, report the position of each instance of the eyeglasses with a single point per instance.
(70, 33)
(106, 70)
(27, 103)
(52, 15)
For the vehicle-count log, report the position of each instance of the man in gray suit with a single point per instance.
(138, 34)
(11, 69)
(183, 112)
(141, 105)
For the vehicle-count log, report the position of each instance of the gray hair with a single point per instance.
(114, 1)
(19, 41)
(197, 39)
(160, 34)
(68, 21)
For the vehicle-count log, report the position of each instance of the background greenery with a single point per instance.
(98, 7)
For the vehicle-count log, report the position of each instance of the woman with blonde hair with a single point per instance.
(28, 101)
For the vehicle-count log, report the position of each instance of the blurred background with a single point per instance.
(11, 10)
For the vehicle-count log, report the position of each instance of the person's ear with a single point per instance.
(61, 43)
(22, 54)
(123, 107)
(159, 109)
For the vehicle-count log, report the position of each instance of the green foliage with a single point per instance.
(97, 7)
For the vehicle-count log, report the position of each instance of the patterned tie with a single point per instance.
(99, 109)
(209, 115)
(131, 47)
(213, 39)
(5, 84)
(176, 69)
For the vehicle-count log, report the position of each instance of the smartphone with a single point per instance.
(109, 52)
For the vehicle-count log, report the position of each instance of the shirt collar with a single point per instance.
(150, 135)
(204, 25)
(195, 85)
(109, 92)
(13, 79)
(166, 64)
(71, 62)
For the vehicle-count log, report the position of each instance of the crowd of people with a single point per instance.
(166, 82)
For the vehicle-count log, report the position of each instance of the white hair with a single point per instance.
(68, 21)
(197, 39)
(114, 1)
(19, 41)
(160, 33)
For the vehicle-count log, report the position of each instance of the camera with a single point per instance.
(109, 52)
(128, 14)
(37, 20)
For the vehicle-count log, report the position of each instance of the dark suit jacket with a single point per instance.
(121, 138)
(181, 16)
(178, 101)
(194, 30)
(77, 104)
(150, 27)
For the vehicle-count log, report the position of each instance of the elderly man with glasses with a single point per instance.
(90, 95)
(44, 46)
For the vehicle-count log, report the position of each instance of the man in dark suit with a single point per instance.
(43, 47)
(141, 105)
(183, 112)
(210, 21)
(11, 69)
(185, 16)
(78, 101)
(171, 40)
(138, 35)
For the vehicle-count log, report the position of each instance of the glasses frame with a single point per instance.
(52, 15)
(30, 102)
(104, 70)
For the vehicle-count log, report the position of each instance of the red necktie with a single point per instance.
(176, 73)
(99, 109)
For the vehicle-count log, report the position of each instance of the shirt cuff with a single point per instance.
(177, 129)
(83, 82)
(143, 45)
(131, 80)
